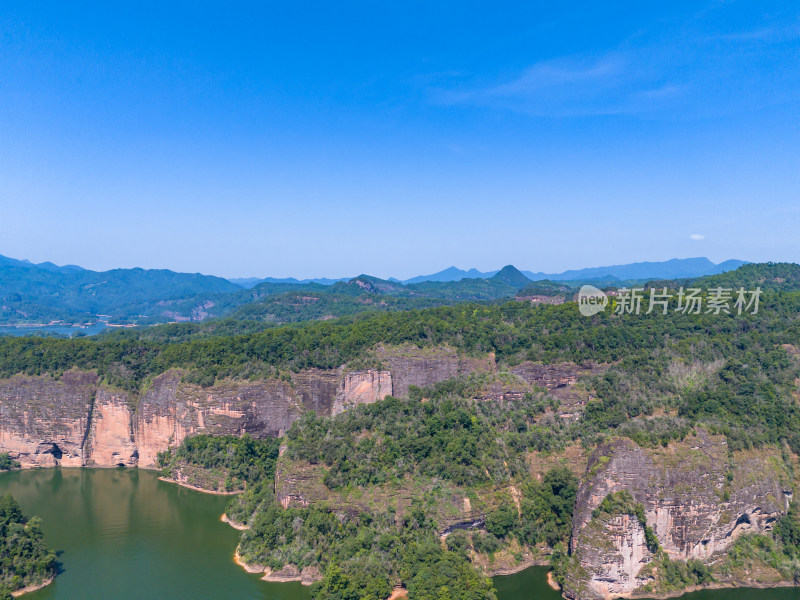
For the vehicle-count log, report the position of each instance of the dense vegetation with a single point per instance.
(44, 293)
(362, 556)
(40, 293)
(514, 331)
(293, 307)
(443, 436)
(24, 558)
(7, 463)
(545, 509)
(664, 375)
(241, 462)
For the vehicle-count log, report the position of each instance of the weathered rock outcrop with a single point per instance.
(317, 388)
(43, 421)
(610, 566)
(552, 376)
(75, 420)
(110, 441)
(697, 499)
(169, 411)
(410, 365)
(362, 387)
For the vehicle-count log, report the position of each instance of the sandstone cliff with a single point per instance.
(110, 439)
(44, 422)
(698, 498)
(422, 367)
(76, 421)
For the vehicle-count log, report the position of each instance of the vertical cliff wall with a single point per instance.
(75, 420)
(43, 421)
(362, 387)
(169, 411)
(110, 439)
(422, 367)
(698, 499)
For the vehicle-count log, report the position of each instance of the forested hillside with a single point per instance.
(71, 296)
(370, 498)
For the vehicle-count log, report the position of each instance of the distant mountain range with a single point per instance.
(47, 266)
(669, 269)
(46, 293)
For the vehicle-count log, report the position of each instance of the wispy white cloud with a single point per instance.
(688, 69)
(697, 237)
(774, 33)
(569, 86)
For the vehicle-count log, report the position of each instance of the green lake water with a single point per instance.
(125, 535)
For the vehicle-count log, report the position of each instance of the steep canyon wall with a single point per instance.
(75, 420)
(698, 498)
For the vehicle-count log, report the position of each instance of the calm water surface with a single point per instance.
(125, 535)
(22, 330)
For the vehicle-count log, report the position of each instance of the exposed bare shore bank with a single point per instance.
(713, 586)
(249, 568)
(197, 488)
(288, 573)
(240, 526)
(32, 588)
(551, 581)
(518, 568)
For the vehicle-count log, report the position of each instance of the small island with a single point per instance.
(26, 564)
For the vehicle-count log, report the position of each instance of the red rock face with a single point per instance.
(170, 411)
(362, 387)
(693, 508)
(110, 440)
(423, 367)
(76, 421)
(43, 421)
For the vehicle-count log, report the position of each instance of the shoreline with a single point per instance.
(267, 574)
(551, 581)
(714, 585)
(247, 567)
(239, 526)
(189, 486)
(518, 568)
(33, 588)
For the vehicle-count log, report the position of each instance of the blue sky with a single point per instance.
(330, 139)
